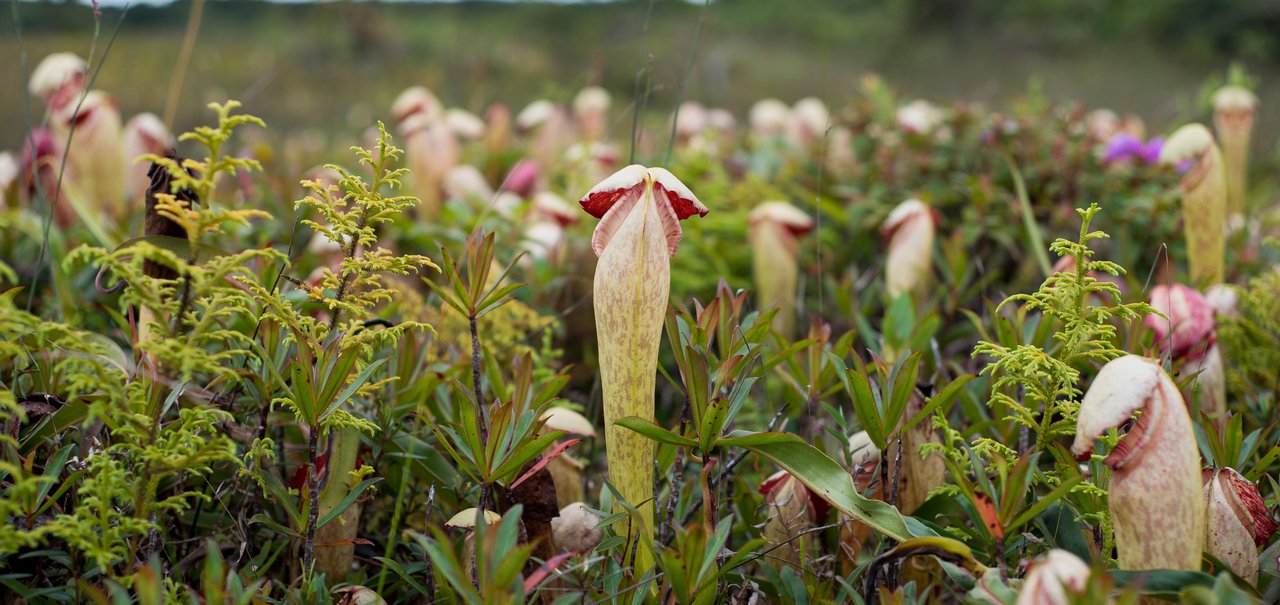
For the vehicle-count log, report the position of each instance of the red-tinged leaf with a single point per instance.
(536, 578)
(299, 478)
(555, 451)
(990, 518)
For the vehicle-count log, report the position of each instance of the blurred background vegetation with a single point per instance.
(333, 67)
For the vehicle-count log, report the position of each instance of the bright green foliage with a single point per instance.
(159, 429)
(499, 561)
(321, 368)
(1039, 387)
(1251, 340)
(350, 217)
(192, 338)
(693, 575)
(20, 486)
(332, 363)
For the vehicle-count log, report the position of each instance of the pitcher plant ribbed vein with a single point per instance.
(640, 210)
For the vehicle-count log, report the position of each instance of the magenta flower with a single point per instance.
(1125, 146)
(1189, 328)
(523, 178)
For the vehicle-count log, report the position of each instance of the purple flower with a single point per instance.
(1125, 146)
(1120, 147)
(1151, 150)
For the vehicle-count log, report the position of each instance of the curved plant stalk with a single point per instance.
(1204, 200)
(1155, 496)
(775, 229)
(639, 210)
(1233, 111)
(1237, 521)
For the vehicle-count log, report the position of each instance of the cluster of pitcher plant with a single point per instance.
(890, 357)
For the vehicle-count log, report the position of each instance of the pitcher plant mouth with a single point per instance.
(1245, 501)
(612, 199)
(1237, 521)
(1129, 405)
(1190, 146)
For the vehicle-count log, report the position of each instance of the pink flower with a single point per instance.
(1188, 331)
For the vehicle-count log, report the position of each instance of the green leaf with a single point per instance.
(903, 379)
(516, 459)
(1161, 582)
(654, 432)
(1043, 503)
(712, 423)
(351, 388)
(826, 478)
(346, 502)
(276, 527)
(942, 399)
(864, 405)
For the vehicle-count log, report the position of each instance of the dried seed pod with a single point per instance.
(1237, 522)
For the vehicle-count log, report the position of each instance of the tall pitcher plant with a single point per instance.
(1204, 199)
(640, 210)
(1233, 112)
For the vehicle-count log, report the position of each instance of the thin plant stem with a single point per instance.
(641, 100)
(313, 494)
(684, 80)
(897, 468)
(184, 61)
(1035, 242)
(51, 202)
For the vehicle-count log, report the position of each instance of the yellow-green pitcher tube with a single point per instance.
(1204, 200)
(639, 230)
(1233, 113)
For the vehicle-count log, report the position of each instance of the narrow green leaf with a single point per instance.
(864, 405)
(654, 432)
(346, 502)
(942, 399)
(826, 478)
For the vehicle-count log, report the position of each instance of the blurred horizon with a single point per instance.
(335, 67)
